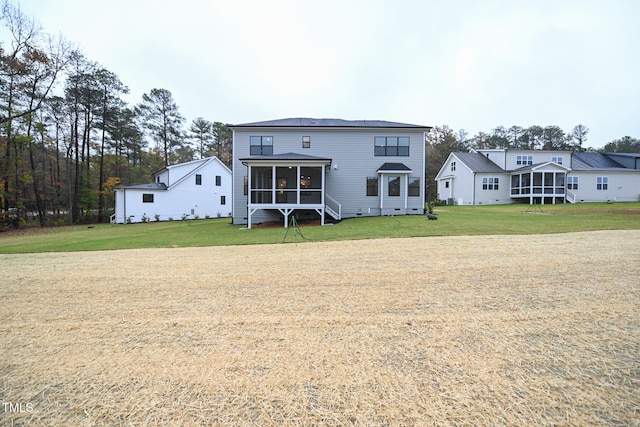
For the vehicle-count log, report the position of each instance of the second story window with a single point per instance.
(453, 166)
(198, 179)
(557, 159)
(261, 146)
(218, 180)
(524, 160)
(391, 146)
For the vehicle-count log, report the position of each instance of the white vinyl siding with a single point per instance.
(352, 161)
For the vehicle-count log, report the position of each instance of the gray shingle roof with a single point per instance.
(585, 161)
(288, 156)
(478, 163)
(394, 167)
(310, 122)
(153, 186)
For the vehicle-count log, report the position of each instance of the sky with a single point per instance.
(467, 64)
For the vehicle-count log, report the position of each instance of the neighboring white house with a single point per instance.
(502, 176)
(317, 167)
(197, 189)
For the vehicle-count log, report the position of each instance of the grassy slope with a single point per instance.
(453, 221)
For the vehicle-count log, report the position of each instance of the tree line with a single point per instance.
(67, 137)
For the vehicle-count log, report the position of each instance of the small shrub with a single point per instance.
(185, 217)
(157, 217)
(429, 208)
(170, 218)
(144, 218)
(219, 214)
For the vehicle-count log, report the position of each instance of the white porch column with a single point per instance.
(322, 193)
(531, 187)
(406, 191)
(249, 196)
(274, 184)
(381, 191)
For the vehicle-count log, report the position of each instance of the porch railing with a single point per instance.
(332, 207)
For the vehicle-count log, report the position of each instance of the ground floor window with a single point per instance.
(572, 182)
(223, 200)
(394, 186)
(372, 186)
(490, 183)
(602, 183)
(147, 198)
(414, 186)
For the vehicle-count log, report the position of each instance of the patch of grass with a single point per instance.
(452, 221)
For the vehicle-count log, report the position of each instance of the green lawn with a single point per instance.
(452, 221)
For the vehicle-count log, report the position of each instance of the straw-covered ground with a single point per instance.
(499, 330)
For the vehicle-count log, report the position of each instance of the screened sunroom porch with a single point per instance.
(542, 184)
(285, 183)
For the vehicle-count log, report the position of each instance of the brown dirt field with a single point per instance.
(466, 331)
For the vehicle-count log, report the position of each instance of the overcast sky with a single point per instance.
(471, 65)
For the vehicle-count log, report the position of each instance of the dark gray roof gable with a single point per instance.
(394, 167)
(331, 123)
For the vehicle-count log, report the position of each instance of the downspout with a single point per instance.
(425, 172)
(473, 188)
(233, 177)
(124, 203)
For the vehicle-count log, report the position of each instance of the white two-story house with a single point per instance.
(321, 168)
(502, 176)
(196, 189)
